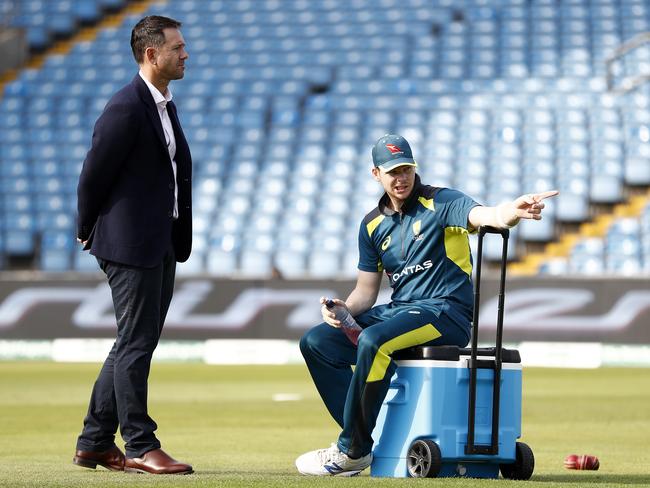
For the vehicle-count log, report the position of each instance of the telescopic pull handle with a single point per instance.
(486, 229)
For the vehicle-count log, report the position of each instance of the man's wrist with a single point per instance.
(505, 221)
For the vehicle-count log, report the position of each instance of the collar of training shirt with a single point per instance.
(384, 202)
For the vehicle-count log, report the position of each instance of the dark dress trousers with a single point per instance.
(125, 205)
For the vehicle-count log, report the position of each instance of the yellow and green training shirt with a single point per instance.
(424, 250)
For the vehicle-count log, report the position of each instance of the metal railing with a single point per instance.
(631, 82)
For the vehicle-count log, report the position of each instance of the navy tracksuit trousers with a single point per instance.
(354, 398)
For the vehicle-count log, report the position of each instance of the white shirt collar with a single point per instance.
(158, 98)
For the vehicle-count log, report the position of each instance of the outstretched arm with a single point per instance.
(508, 214)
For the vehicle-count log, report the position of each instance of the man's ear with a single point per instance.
(150, 55)
(376, 172)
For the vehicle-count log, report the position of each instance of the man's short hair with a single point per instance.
(148, 32)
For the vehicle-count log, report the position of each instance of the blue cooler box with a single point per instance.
(428, 399)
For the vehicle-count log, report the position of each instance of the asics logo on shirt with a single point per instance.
(386, 243)
(409, 270)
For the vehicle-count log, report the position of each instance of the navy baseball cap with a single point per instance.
(391, 151)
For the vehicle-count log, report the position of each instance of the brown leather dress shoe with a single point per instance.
(112, 459)
(156, 462)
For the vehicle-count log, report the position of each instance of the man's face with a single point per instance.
(398, 183)
(170, 57)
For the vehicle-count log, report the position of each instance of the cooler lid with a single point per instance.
(453, 353)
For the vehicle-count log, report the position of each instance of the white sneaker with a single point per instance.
(331, 462)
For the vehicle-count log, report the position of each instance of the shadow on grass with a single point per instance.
(241, 474)
(616, 479)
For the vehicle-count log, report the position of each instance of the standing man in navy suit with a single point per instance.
(135, 216)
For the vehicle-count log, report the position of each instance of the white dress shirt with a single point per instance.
(161, 102)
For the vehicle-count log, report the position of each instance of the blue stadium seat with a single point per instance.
(324, 264)
(637, 171)
(84, 262)
(256, 263)
(55, 252)
(19, 242)
(112, 4)
(606, 189)
(290, 264)
(572, 207)
(11, 168)
(504, 102)
(195, 264)
(554, 266)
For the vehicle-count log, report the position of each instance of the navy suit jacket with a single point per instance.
(126, 187)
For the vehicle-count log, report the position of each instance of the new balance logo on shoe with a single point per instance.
(331, 462)
(333, 468)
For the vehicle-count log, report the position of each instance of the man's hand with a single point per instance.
(328, 315)
(528, 206)
(82, 242)
(508, 214)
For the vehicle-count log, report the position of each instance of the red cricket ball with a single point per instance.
(582, 461)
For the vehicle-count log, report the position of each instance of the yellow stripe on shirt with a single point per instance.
(372, 225)
(427, 203)
(457, 247)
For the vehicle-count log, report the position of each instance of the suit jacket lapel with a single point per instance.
(152, 109)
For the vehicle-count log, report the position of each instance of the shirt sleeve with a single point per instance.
(454, 207)
(369, 259)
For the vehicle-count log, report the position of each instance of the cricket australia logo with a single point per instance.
(417, 231)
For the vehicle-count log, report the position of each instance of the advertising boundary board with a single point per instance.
(612, 311)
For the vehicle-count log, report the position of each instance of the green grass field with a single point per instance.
(225, 422)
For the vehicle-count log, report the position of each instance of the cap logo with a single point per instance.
(393, 148)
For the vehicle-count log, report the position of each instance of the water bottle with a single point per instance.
(349, 326)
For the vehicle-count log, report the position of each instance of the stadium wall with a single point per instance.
(574, 322)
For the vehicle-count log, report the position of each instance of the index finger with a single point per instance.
(538, 197)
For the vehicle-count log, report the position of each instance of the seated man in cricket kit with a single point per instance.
(418, 235)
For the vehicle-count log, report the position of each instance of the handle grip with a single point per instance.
(486, 229)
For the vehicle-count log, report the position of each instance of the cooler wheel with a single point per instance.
(423, 459)
(522, 468)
